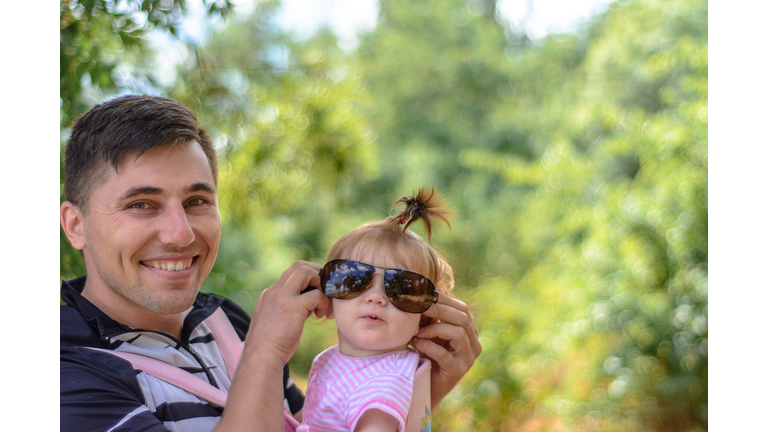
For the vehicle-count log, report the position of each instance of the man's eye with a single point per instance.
(140, 206)
(196, 202)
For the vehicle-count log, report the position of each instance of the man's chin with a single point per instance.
(170, 309)
(170, 305)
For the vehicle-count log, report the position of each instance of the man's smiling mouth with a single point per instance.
(170, 264)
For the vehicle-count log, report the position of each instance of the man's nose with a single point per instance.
(175, 229)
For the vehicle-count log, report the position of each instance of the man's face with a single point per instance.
(152, 231)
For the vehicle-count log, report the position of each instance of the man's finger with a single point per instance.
(300, 277)
(455, 337)
(436, 353)
(455, 327)
(455, 303)
(321, 303)
(449, 314)
(452, 311)
(297, 267)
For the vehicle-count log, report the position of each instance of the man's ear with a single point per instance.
(72, 224)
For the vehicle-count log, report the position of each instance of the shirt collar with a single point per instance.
(72, 294)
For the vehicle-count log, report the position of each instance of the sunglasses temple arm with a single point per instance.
(307, 289)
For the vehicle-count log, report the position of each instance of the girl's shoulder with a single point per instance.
(325, 357)
(335, 364)
(401, 362)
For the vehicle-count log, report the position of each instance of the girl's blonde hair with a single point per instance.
(409, 249)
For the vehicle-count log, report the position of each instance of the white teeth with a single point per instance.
(171, 266)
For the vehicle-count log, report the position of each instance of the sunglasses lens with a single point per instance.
(407, 291)
(346, 279)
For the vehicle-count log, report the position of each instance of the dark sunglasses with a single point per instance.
(345, 279)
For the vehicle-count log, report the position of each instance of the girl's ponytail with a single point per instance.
(425, 205)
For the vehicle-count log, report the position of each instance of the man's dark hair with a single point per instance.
(124, 126)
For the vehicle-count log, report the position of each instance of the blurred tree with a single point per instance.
(608, 327)
(97, 35)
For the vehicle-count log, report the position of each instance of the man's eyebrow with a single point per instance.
(200, 187)
(140, 190)
(151, 190)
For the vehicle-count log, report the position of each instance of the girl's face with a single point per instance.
(368, 324)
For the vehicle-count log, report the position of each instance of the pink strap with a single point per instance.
(173, 375)
(419, 415)
(230, 345)
(290, 423)
(231, 348)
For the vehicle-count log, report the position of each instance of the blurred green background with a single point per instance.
(577, 164)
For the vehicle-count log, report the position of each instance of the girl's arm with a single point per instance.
(375, 420)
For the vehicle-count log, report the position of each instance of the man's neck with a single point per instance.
(132, 315)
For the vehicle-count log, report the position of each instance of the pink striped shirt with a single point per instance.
(342, 388)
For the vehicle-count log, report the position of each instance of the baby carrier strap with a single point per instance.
(173, 375)
(231, 348)
(419, 417)
(230, 345)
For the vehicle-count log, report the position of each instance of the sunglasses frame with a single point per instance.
(433, 295)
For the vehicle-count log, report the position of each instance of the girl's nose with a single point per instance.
(375, 292)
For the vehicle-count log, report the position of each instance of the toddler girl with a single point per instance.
(380, 277)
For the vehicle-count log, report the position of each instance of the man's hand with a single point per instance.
(255, 400)
(451, 343)
(281, 311)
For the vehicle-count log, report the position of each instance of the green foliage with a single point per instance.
(577, 164)
(97, 35)
(615, 219)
